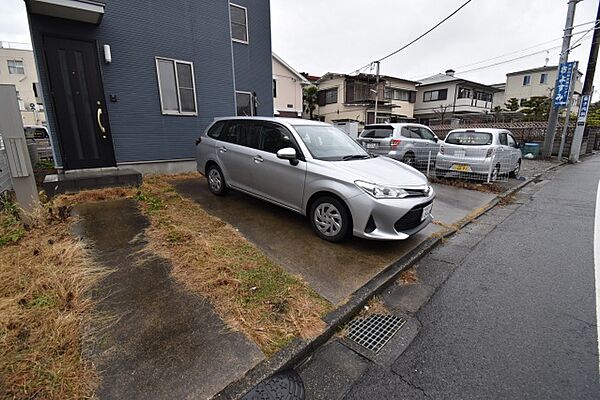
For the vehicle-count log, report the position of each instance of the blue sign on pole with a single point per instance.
(563, 84)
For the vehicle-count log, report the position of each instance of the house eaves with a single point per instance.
(301, 78)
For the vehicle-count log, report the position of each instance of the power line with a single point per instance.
(585, 33)
(419, 37)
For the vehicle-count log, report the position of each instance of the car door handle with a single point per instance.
(258, 159)
(222, 149)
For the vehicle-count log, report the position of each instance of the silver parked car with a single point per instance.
(317, 170)
(413, 144)
(479, 152)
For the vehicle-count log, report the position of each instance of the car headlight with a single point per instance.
(382, 191)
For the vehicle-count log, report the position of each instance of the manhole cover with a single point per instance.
(285, 385)
(374, 331)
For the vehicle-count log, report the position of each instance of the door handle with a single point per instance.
(222, 149)
(258, 159)
(99, 119)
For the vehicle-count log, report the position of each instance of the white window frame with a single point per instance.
(251, 102)
(247, 41)
(544, 78)
(21, 67)
(528, 79)
(175, 62)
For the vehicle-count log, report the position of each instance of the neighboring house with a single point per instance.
(499, 99)
(17, 67)
(535, 82)
(287, 89)
(446, 97)
(344, 98)
(135, 82)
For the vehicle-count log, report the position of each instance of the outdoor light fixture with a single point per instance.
(107, 54)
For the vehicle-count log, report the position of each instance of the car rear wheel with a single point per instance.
(330, 219)
(516, 171)
(216, 180)
(409, 159)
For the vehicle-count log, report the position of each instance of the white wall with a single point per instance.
(23, 83)
(289, 89)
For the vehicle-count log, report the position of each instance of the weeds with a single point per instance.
(44, 275)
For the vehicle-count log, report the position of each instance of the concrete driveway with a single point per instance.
(333, 270)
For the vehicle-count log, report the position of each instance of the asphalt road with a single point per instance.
(515, 318)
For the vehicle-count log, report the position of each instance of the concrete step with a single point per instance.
(74, 181)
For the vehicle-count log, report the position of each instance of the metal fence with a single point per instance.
(484, 165)
(5, 180)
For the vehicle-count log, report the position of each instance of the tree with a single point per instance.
(512, 104)
(310, 99)
(593, 117)
(536, 108)
(441, 112)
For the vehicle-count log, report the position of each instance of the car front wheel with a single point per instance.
(516, 171)
(330, 219)
(216, 180)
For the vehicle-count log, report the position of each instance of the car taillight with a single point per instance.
(489, 153)
(198, 140)
(394, 143)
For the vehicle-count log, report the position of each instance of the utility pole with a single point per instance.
(564, 56)
(376, 90)
(586, 98)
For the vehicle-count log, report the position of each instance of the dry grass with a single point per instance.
(409, 276)
(209, 257)
(506, 200)
(44, 276)
(470, 185)
(374, 306)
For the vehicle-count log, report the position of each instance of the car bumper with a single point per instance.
(446, 163)
(389, 219)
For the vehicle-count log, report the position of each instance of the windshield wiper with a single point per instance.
(355, 157)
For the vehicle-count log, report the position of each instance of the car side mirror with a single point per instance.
(288, 153)
(435, 139)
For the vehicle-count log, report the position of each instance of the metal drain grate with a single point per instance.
(374, 331)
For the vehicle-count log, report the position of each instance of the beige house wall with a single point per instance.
(24, 84)
(432, 107)
(515, 87)
(289, 89)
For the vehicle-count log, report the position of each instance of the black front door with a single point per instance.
(78, 100)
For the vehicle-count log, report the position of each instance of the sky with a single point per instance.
(319, 36)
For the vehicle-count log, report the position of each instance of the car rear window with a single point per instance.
(469, 138)
(377, 131)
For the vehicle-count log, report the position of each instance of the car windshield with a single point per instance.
(329, 143)
(377, 132)
(469, 138)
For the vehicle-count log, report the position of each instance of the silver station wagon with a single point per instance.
(317, 170)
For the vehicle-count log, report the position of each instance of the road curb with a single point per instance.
(299, 349)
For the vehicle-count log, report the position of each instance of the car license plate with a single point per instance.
(461, 168)
(426, 212)
(371, 145)
(459, 153)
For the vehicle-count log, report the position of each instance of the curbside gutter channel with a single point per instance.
(300, 349)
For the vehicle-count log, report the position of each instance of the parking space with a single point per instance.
(334, 270)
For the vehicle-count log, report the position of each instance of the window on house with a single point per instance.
(527, 80)
(328, 96)
(396, 94)
(274, 88)
(16, 67)
(543, 79)
(244, 104)
(435, 95)
(176, 86)
(464, 93)
(239, 23)
(35, 89)
(483, 96)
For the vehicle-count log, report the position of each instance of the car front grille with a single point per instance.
(411, 219)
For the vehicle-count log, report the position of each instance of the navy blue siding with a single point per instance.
(252, 74)
(190, 30)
